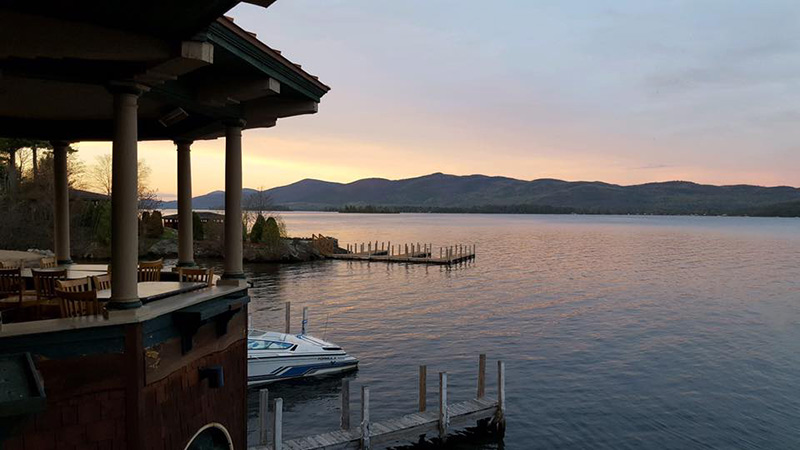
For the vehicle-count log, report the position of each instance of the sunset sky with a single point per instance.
(619, 91)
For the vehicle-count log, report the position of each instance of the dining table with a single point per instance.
(156, 290)
(72, 274)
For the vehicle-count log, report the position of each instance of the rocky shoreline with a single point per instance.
(286, 250)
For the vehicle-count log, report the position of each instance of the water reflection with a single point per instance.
(618, 332)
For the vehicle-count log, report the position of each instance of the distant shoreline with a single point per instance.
(381, 211)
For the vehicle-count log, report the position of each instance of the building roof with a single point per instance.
(197, 69)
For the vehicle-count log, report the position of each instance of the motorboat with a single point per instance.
(273, 356)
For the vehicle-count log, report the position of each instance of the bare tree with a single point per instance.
(100, 176)
(260, 203)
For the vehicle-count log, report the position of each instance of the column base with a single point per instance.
(64, 262)
(233, 276)
(186, 264)
(227, 280)
(124, 305)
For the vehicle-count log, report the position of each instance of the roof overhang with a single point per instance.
(55, 73)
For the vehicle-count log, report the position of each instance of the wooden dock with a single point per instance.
(406, 253)
(410, 427)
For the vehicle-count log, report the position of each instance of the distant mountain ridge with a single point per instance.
(477, 192)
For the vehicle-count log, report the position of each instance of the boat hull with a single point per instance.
(268, 369)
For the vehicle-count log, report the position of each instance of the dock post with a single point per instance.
(277, 425)
(263, 415)
(345, 422)
(288, 324)
(304, 324)
(440, 252)
(500, 417)
(444, 415)
(423, 388)
(406, 249)
(365, 428)
(481, 375)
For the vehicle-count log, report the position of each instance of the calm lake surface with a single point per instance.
(617, 332)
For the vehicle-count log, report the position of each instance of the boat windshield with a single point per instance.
(259, 344)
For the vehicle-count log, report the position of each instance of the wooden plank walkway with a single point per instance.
(405, 428)
(410, 427)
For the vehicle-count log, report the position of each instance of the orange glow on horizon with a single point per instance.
(271, 160)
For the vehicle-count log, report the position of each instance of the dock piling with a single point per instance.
(277, 427)
(288, 319)
(345, 422)
(304, 324)
(444, 417)
(423, 388)
(500, 418)
(481, 376)
(263, 415)
(365, 428)
(410, 427)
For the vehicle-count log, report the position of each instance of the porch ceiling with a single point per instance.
(54, 81)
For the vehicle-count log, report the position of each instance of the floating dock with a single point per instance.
(411, 427)
(415, 253)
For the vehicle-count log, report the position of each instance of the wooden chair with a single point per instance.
(150, 270)
(44, 285)
(44, 282)
(47, 263)
(78, 299)
(101, 282)
(19, 264)
(11, 284)
(196, 275)
(73, 286)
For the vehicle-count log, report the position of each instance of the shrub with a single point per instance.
(197, 227)
(258, 230)
(153, 225)
(272, 231)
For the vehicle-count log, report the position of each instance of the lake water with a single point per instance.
(617, 332)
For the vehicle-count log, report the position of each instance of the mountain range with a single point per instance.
(440, 192)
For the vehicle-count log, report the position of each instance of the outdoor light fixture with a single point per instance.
(215, 376)
(173, 117)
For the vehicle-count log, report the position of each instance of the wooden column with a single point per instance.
(185, 222)
(233, 202)
(124, 199)
(61, 203)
